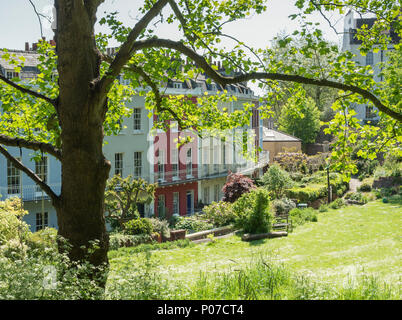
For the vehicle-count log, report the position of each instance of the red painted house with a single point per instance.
(176, 171)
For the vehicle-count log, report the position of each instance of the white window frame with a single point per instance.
(13, 178)
(177, 85)
(42, 171)
(118, 163)
(137, 123)
(41, 222)
(176, 203)
(189, 163)
(175, 164)
(138, 164)
(369, 58)
(161, 165)
(12, 74)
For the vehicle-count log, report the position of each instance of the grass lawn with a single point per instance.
(343, 243)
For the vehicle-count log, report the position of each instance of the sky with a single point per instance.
(19, 23)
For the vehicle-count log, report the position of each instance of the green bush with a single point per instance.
(296, 176)
(45, 238)
(252, 211)
(307, 194)
(337, 203)
(323, 208)
(291, 161)
(161, 227)
(193, 224)
(357, 196)
(301, 216)
(138, 226)
(365, 187)
(276, 180)
(220, 213)
(118, 240)
(11, 225)
(282, 206)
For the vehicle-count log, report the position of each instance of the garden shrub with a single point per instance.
(357, 196)
(45, 238)
(193, 224)
(138, 226)
(337, 203)
(323, 208)
(296, 176)
(316, 162)
(307, 194)
(282, 206)
(365, 187)
(11, 224)
(252, 211)
(161, 227)
(235, 186)
(301, 216)
(31, 273)
(291, 161)
(276, 180)
(118, 240)
(173, 220)
(220, 213)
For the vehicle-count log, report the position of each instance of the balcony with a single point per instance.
(211, 171)
(175, 177)
(29, 192)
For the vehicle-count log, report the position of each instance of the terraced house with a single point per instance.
(365, 113)
(187, 177)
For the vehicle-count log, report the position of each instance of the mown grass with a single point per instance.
(350, 253)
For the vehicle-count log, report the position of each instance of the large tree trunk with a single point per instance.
(81, 112)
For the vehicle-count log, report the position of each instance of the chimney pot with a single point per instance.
(26, 46)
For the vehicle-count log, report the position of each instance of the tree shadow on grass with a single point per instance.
(257, 242)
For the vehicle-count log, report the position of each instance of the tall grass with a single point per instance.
(267, 280)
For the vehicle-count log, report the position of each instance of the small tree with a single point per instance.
(300, 117)
(122, 197)
(236, 185)
(276, 180)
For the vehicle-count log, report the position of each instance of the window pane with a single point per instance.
(137, 164)
(137, 118)
(13, 178)
(118, 164)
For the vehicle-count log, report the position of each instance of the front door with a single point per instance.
(190, 202)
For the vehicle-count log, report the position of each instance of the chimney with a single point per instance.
(26, 46)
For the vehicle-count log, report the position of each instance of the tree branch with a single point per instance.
(226, 80)
(28, 91)
(55, 198)
(33, 145)
(154, 87)
(125, 51)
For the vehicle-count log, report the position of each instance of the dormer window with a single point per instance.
(177, 85)
(12, 74)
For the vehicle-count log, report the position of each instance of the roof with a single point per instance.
(271, 135)
(31, 58)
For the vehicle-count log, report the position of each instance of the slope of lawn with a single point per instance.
(343, 244)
